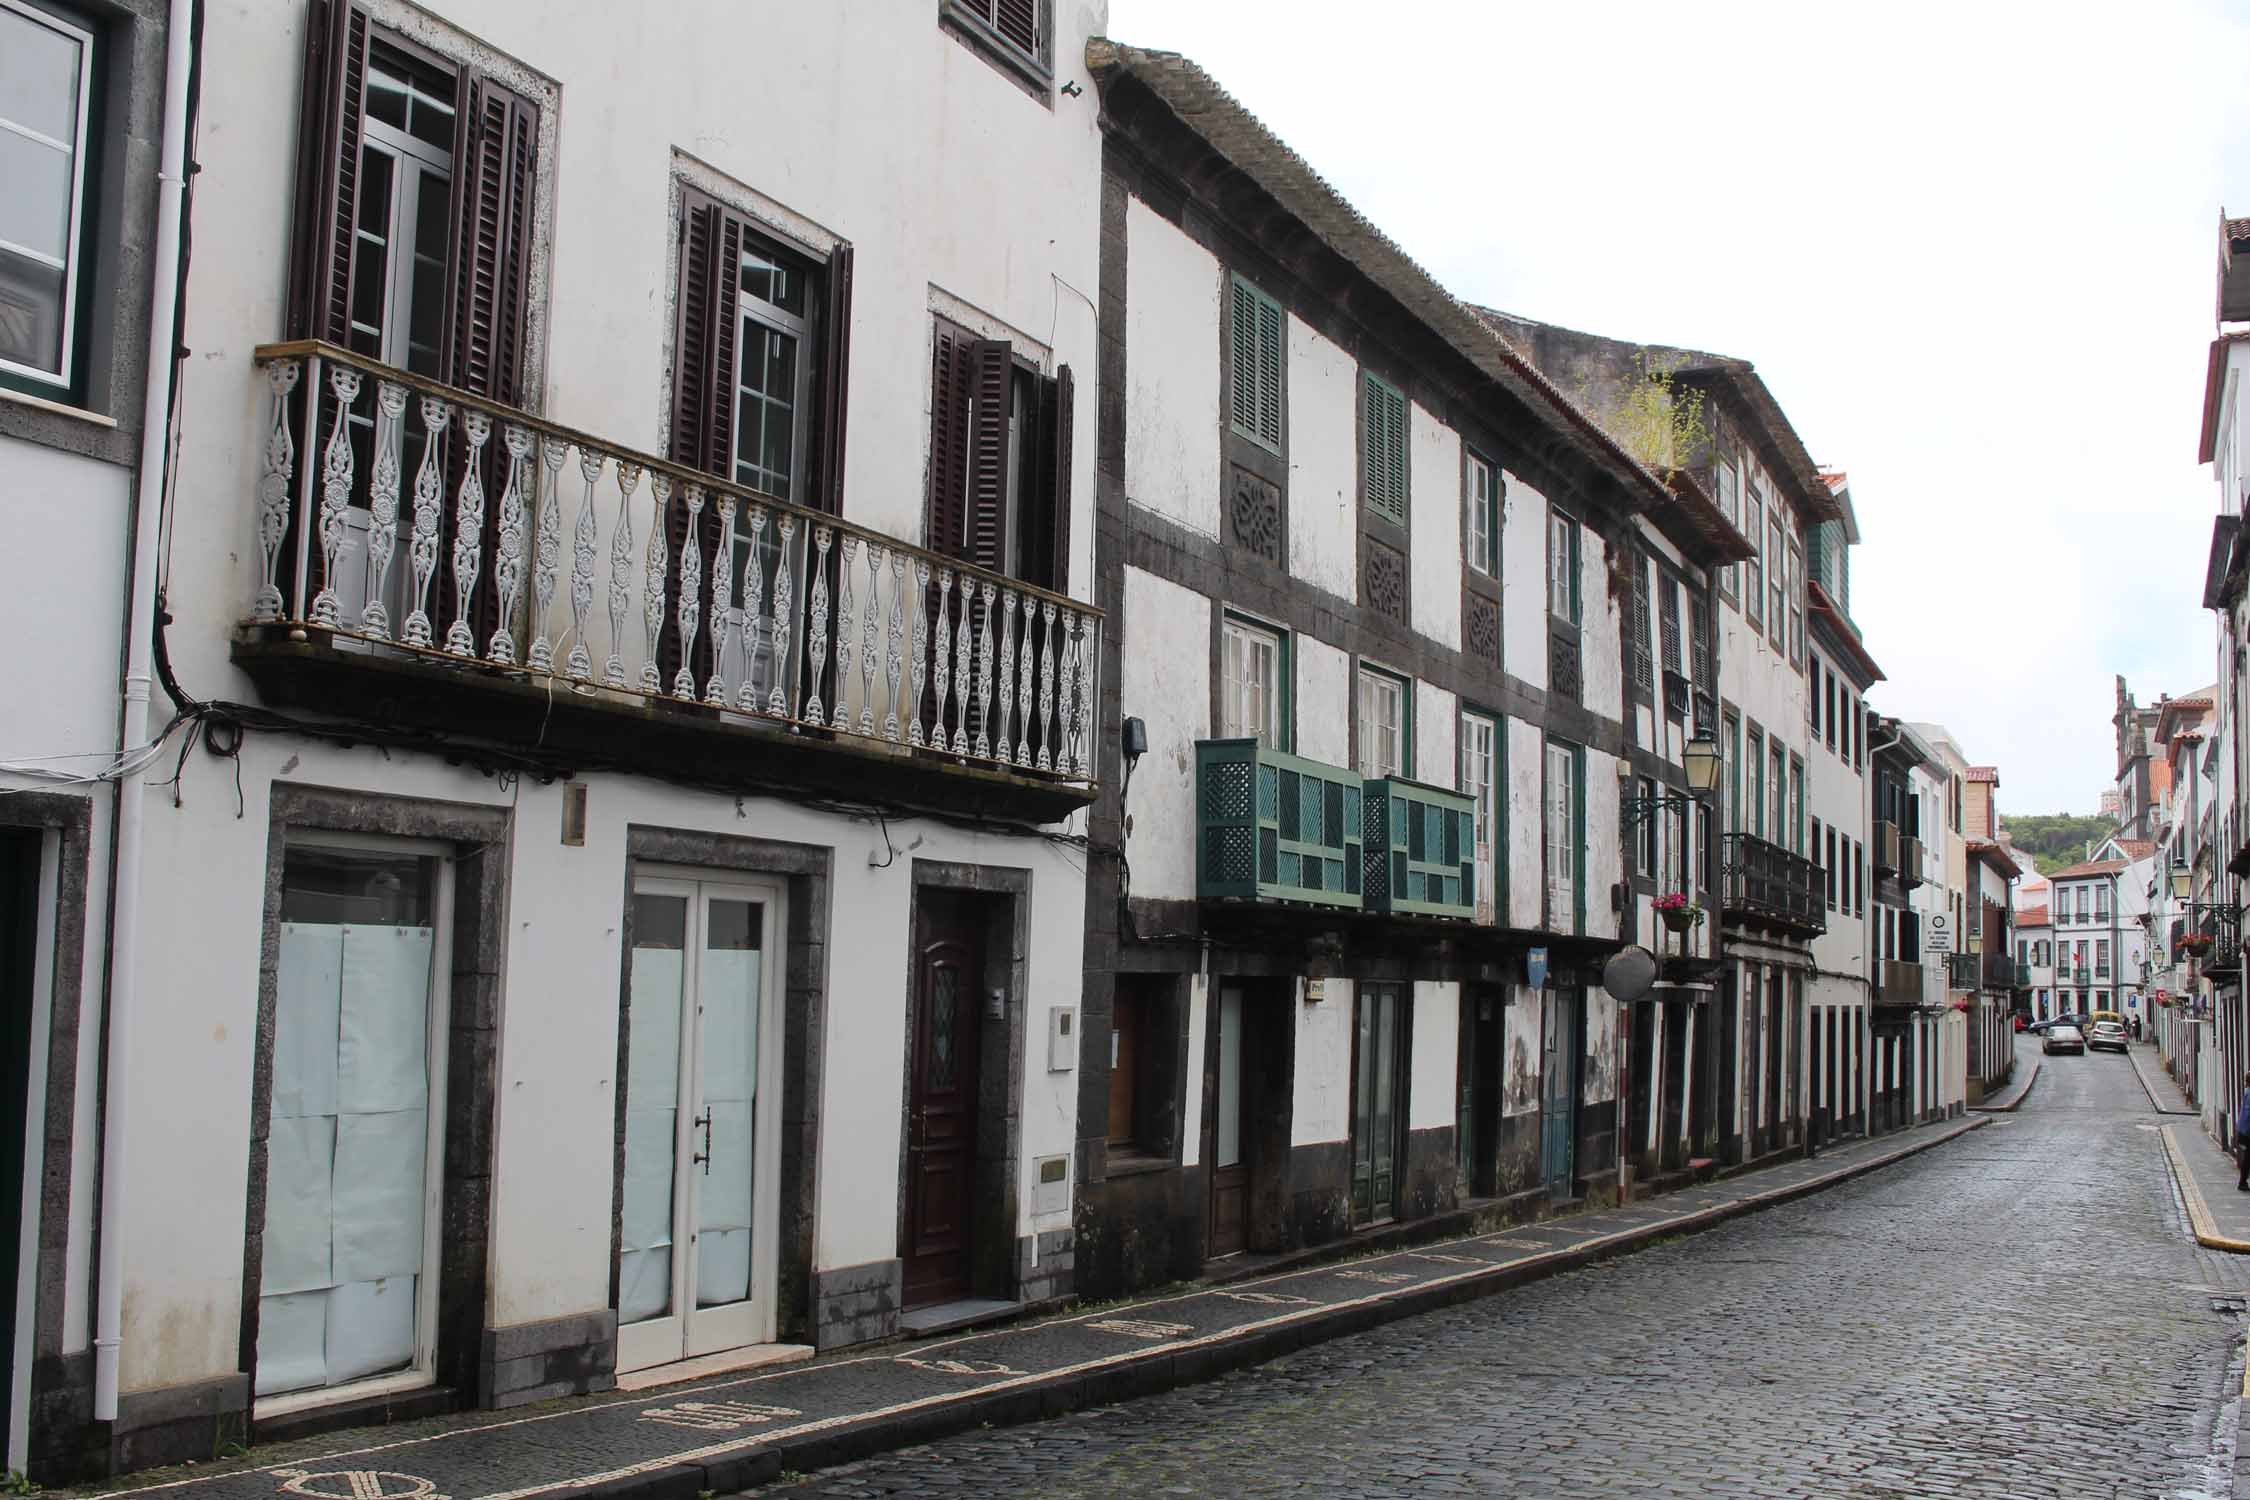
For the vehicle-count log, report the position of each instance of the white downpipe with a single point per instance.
(140, 627)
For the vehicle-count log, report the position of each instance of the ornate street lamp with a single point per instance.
(1701, 762)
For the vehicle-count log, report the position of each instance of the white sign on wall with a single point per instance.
(1937, 934)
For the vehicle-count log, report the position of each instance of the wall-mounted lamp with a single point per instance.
(1701, 763)
(1132, 738)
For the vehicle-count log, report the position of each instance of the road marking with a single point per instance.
(711, 1416)
(959, 1366)
(358, 1484)
(2199, 1212)
(1141, 1328)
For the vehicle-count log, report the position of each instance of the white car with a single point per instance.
(2107, 1034)
(2064, 1039)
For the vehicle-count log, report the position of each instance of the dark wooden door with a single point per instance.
(1477, 1080)
(1230, 1135)
(941, 1107)
(1378, 1102)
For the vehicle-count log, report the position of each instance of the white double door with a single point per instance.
(698, 1247)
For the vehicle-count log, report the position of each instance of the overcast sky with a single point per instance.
(1971, 247)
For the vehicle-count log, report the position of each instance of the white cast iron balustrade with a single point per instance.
(827, 626)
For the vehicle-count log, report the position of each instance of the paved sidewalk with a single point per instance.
(2218, 1212)
(2029, 1056)
(2163, 1093)
(725, 1434)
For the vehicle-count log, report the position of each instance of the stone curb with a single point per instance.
(2133, 1056)
(2038, 1061)
(1039, 1399)
(2199, 1211)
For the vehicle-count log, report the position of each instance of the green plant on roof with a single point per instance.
(1652, 416)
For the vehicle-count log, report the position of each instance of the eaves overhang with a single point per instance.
(1846, 639)
(1246, 150)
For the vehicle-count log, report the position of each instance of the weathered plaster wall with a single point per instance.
(1167, 684)
(1323, 463)
(1173, 312)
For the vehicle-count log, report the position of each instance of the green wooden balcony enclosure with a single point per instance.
(1276, 828)
(1421, 850)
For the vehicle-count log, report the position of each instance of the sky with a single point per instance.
(1971, 247)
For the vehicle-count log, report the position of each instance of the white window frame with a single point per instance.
(1480, 763)
(1372, 684)
(1241, 641)
(73, 264)
(1482, 526)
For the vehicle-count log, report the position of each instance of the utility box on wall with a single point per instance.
(1062, 1038)
(1050, 1187)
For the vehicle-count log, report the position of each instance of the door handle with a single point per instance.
(703, 1123)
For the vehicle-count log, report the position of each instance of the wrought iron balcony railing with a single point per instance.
(1885, 853)
(435, 528)
(1999, 971)
(1765, 882)
(1898, 983)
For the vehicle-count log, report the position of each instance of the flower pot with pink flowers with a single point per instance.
(1678, 912)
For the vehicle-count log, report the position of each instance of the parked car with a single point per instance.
(2109, 1035)
(2064, 1037)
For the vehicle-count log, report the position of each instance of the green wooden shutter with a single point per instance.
(1383, 446)
(1254, 348)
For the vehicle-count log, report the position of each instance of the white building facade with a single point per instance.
(628, 579)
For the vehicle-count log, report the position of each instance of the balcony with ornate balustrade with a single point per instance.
(1767, 885)
(435, 560)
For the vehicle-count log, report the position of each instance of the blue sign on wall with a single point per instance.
(1535, 968)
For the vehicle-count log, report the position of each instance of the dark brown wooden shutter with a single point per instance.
(946, 529)
(706, 330)
(989, 371)
(1043, 528)
(826, 491)
(328, 131)
(493, 172)
(1018, 21)
(495, 150)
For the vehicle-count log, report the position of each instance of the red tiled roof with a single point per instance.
(2137, 848)
(2033, 916)
(1834, 478)
(2090, 867)
(1985, 773)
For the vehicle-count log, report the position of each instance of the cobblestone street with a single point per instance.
(2018, 1313)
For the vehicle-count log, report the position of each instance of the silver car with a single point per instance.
(2109, 1035)
(2064, 1039)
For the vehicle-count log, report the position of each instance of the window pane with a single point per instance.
(39, 69)
(371, 271)
(31, 310)
(35, 209)
(425, 311)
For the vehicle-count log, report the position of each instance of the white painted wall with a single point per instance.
(1324, 701)
(1523, 605)
(1321, 1092)
(1433, 466)
(1323, 462)
(1605, 861)
(1437, 731)
(1527, 851)
(987, 201)
(1601, 662)
(62, 592)
(1430, 1093)
(1173, 312)
(1165, 681)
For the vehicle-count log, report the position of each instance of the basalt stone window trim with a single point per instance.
(61, 1385)
(479, 837)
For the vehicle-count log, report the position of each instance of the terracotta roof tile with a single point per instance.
(2033, 916)
(2137, 848)
(1985, 773)
(2090, 867)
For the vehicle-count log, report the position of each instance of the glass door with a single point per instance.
(702, 1095)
